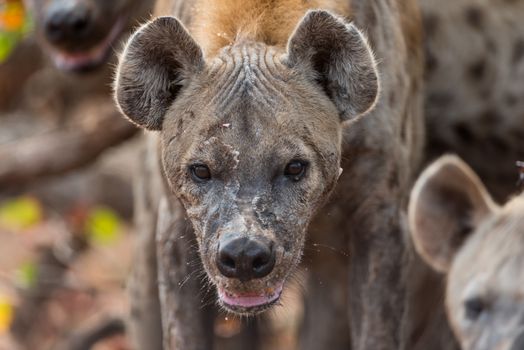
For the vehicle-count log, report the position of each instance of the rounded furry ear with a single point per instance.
(340, 59)
(156, 62)
(447, 204)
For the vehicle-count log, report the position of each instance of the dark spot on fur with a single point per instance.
(477, 71)
(464, 133)
(403, 132)
(490, 118)
(518, 51)
(431, 23)
(517, 135)
(491, 45)
(474, 17)
(404, 126)
(392, 98)
(498, 144)
(511, 100)
(135, 312)
(485, 91)
(393, 180)
(179, 126)
(431, 63)
(440, 98)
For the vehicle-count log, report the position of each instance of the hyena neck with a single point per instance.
(219, 23)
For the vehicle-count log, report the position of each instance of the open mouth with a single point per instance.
(91, 58)
(249, 303)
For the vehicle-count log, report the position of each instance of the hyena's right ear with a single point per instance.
(448, 202)
(340, 60)
(157, 60)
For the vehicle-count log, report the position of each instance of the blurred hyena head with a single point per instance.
(460, 231)
(250, 139)
(81, 35)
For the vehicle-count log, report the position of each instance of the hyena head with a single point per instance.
(80, 35)
(251, 139)
(459, 230)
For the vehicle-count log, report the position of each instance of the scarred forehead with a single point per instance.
(247, 93)
(252, 73)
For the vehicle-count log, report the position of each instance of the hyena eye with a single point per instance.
(200, 172)
(474, 307)
(295, 169)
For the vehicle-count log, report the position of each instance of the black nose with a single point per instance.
(519, 343)
(245, 259)
(65, 25)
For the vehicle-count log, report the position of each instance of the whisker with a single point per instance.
(333, 249)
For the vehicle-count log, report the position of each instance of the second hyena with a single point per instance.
(459, 230)
(81, 35)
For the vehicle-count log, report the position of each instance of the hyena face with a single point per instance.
(80, 34)
(250, 168)
(250, 139)
(459, 230)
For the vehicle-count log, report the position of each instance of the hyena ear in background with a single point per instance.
(340, 60)
(156, 62)
(447, 203)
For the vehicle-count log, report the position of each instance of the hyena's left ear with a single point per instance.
(447, 205)
(156, 63)
(340, 60)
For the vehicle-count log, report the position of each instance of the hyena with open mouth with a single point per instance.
(81, 35)
(263, 109)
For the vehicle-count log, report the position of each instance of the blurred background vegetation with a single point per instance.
(65, 243)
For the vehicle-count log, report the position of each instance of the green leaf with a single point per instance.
(20, 213)
(26, 275)
(15, 23)
(103, 226)
(7, 44)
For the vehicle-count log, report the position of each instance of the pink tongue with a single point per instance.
(248, 301)
(64, 61)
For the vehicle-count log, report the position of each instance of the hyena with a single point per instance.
(81, 35)
(262, 111)
(78, 39)
(460, 231)
(78, 36)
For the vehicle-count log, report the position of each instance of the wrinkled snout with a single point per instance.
(67, 23)
(519, 342)
(245, 258)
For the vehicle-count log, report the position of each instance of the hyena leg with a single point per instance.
(326, 322)
(145, 325)
(377, 282)
(186, 321)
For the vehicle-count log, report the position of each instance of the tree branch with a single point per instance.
(87, 339)
(63, 150)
